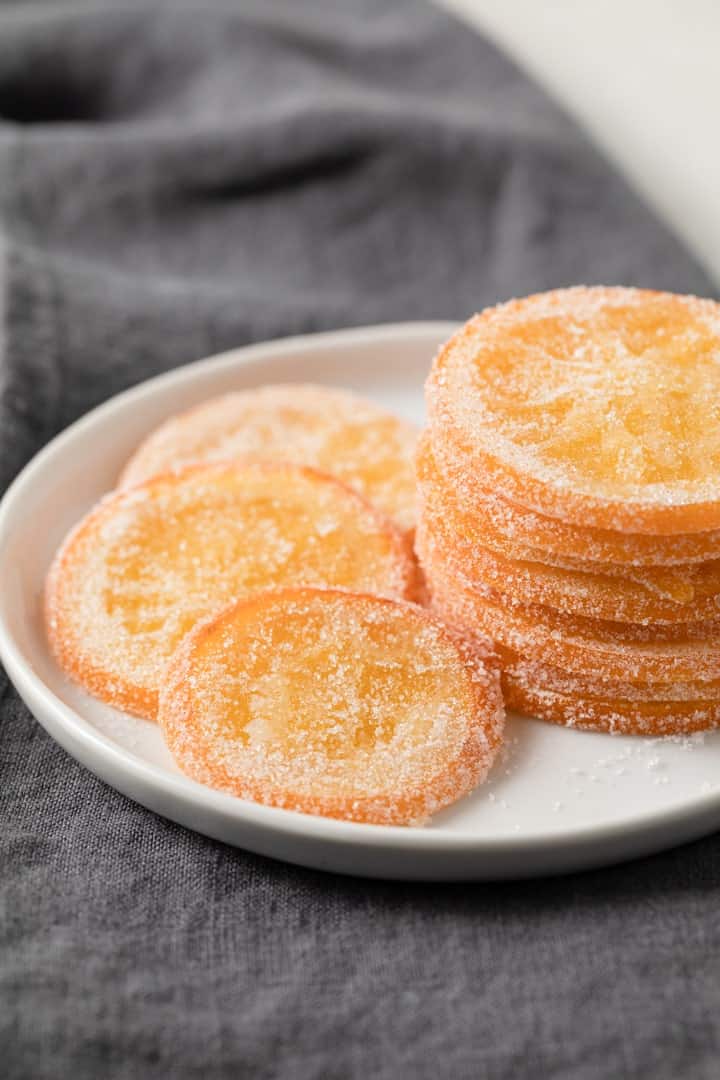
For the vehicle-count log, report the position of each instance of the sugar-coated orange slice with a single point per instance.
(332, 703)
(520, 533)
(600, 590)
(547, 677)
(649, 718)
(333, 430)
(607, 651)
(597, 406)
(148, 562)
(441, 559)
(635, 599)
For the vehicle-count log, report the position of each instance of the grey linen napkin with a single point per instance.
(178, 179)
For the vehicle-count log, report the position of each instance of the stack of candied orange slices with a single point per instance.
(251, 585)
(328, 429)
(570, 504)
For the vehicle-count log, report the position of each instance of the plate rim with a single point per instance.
(689, 818)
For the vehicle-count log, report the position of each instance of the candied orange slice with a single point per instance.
(438, 558)
(597, 406)
(547, 677)
(603, 650)
(682, 584)
(332, 703)
(478, 515)
(644, 594)
(649, 718)
(637, 599)
(333, 430)
(148, 562)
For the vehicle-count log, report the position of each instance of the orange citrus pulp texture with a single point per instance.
(596, 406)
(332, 430)
(149, 562)
(332, 703)
(569, 489)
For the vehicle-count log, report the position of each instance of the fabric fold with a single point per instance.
(180, 179)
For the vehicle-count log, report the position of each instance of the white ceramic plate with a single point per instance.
(560, 800)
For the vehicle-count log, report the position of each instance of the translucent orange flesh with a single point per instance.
(332, 430)
(151, 561)
(597, 406)
(331, 703)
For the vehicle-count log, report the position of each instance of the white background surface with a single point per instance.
(643, 77)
